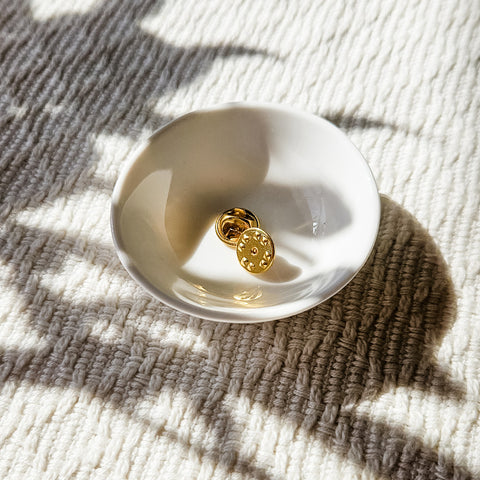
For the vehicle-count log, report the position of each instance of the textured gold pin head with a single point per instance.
(240, 228)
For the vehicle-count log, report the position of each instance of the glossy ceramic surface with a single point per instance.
(310, 187)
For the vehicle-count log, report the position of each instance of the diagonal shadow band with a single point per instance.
(347, 122)
(380, 332)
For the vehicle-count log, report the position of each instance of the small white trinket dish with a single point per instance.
(310, 187)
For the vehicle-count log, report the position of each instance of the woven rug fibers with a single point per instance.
(99, 380)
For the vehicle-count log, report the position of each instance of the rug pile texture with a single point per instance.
(99, 380)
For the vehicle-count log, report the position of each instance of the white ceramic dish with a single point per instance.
(310, 187)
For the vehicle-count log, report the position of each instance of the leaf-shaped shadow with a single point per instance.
(66, 80)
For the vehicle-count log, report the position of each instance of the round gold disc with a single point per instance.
(255, 250)
(230, 224)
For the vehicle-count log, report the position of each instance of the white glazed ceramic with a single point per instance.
(310, 187)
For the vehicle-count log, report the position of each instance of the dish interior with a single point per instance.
(307, 183)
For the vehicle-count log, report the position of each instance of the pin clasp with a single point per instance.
(232, 223)
(240, 228)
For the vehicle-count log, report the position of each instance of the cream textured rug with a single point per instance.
(98, 380)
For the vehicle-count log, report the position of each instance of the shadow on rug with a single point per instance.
(76, 80)
(378, 333)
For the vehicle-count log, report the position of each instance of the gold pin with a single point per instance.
(232, 223)
(240, 228)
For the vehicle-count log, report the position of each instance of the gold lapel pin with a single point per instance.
(240, 228)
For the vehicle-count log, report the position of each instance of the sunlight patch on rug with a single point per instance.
(45, 9)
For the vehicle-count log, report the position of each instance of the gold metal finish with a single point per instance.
(240, 227)
(232, 223)
(255, 250)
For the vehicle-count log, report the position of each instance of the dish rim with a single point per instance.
(224, 314)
